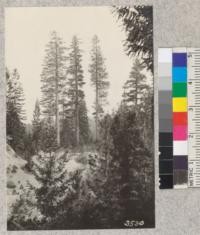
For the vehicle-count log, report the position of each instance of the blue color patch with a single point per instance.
(179, 74)
(179, 59)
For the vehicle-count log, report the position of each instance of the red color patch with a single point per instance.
(180, 118)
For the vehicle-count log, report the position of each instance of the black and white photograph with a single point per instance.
(79, 117)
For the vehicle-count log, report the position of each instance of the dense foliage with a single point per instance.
(15, 115)
(138, 25)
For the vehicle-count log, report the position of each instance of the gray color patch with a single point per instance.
(164, 70)
(165, 111)
(165, 83)
(165, 97)
(165, 125)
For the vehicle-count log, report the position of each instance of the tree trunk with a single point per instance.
(57, 122)
(57, 104)
(77, 107)
(77, 122)
(97, 105)
(136, 91)
(97, 114)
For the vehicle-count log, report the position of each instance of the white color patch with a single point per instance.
(165, 55)
(180, 148)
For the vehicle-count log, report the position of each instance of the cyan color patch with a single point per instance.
(179, 74)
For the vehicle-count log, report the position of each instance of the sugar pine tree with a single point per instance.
(138, 24)
(37, 127)
(99, 80)
(15, 114)
(75, 84)
(135, 86)
(53, 79)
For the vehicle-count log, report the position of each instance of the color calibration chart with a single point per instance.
(179, 117)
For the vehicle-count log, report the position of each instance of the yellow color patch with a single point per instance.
(179, 104)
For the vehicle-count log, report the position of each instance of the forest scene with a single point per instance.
(81, 155)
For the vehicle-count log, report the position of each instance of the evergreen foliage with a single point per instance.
(135, 87)
(15, 114)
(138, 25)
(75, 83)
(53, 79)
(99, 80)
(37, 127)
(48, 137)
(84, 124)
(79, 185)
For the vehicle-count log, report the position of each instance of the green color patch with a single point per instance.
(179, 89)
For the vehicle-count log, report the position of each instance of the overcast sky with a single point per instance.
(27, 33)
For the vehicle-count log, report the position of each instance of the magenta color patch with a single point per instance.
(179, 132)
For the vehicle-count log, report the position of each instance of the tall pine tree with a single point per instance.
(135, 86)
(75, 84)
(53, 79)
(15, 114)
(99, 80)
